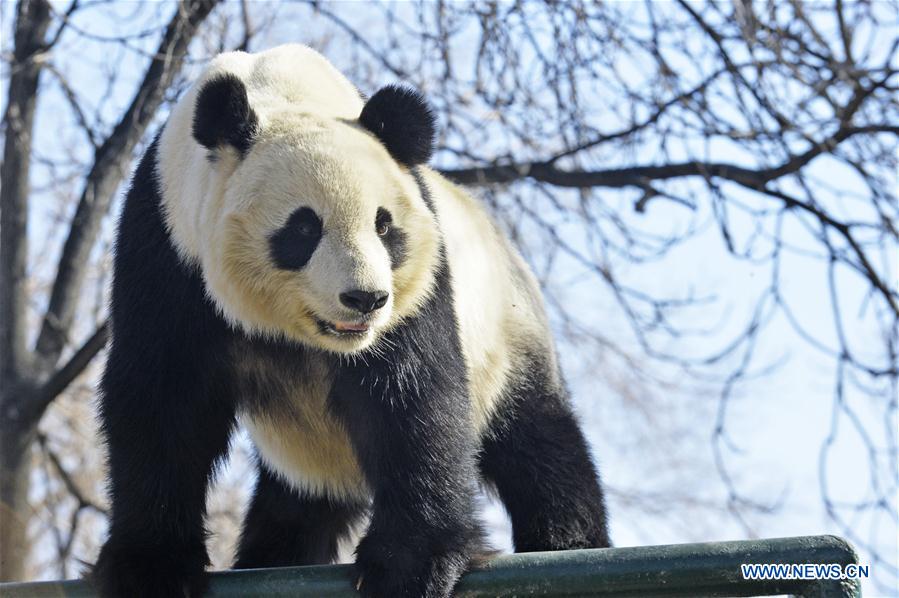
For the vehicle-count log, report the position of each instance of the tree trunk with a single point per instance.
(17, 426)
(15, 441)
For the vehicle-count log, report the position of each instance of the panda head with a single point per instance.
(315, 228)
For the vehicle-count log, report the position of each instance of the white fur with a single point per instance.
(497, 300)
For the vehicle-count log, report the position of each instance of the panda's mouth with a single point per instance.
(343, 328)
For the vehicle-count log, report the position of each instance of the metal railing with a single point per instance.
(707, 569)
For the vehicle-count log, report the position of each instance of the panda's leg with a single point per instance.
(284, 528)
(407, 413)
(537, 458)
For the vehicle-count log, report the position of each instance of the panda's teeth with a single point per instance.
(350, 327)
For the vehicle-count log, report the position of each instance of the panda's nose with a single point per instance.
(364, 301)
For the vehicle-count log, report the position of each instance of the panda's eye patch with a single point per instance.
(383, 220)
(294, 243)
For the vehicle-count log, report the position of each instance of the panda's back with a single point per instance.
(502, 321)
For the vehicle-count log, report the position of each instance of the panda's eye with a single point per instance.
(307, 223)
(382, 222)
(307, 229)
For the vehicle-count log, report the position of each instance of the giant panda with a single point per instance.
(286, 261)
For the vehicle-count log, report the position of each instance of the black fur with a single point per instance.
(223, 115)
(423, 188)
(166, 407)
(284, 528)
(401, 118)
(295, 242)
(538, 461)
(407, 413)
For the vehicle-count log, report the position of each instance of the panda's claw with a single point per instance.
(411, 568)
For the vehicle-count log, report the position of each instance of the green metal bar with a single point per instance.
(709, 569)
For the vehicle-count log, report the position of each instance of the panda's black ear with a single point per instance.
(402, 119)
(223, 116)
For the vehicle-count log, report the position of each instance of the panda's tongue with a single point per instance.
(350, 327)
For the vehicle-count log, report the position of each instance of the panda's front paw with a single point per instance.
(139, 571)
(414, 566)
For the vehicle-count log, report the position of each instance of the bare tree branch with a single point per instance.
(110, 165)
(60, 380)
(638, 176)
(71, 486)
